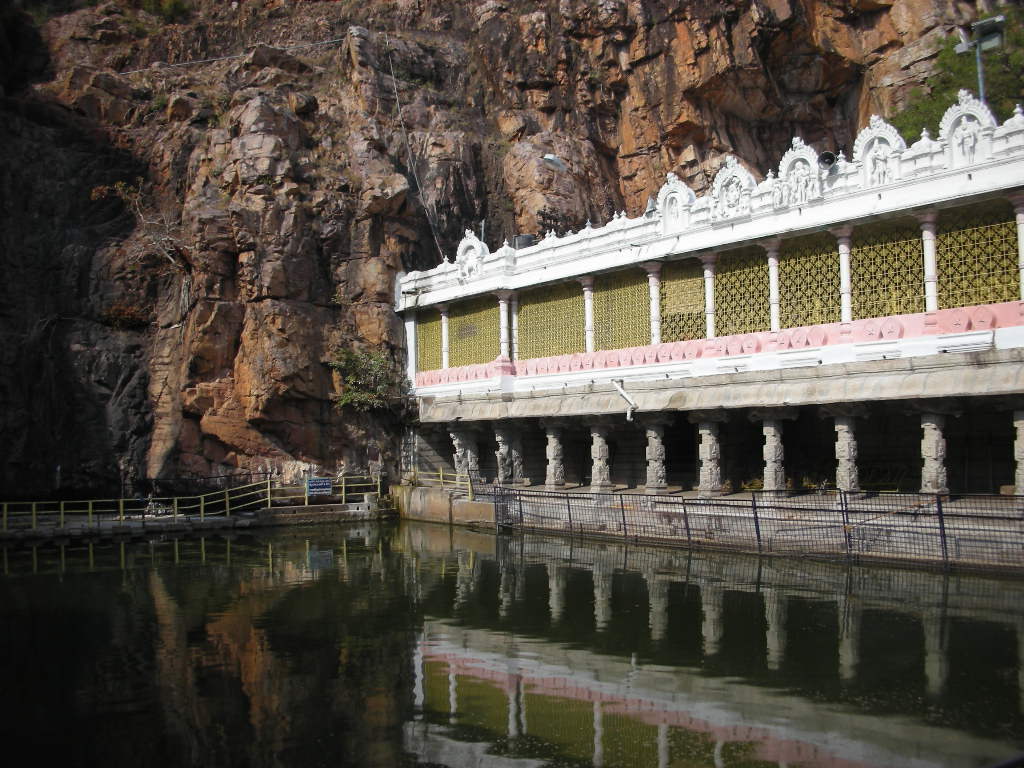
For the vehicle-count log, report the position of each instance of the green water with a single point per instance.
(424, 646)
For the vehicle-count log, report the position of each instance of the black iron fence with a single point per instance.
(974, 532)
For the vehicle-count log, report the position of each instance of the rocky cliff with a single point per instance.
(185, 246)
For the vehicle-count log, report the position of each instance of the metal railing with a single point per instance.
(975, 532)
(93, 513)
(441, 479)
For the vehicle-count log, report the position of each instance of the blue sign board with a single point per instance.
(319, 486)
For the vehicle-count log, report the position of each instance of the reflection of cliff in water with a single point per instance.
(626, 655)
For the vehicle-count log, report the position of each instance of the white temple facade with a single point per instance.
(864, 318)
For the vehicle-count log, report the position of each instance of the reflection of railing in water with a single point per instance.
(976, 532)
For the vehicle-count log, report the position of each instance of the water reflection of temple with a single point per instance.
(638, 656)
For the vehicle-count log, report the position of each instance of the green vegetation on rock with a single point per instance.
(371, 381)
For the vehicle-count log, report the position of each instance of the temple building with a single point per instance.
(857, 323)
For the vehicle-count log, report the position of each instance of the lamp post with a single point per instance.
(986, 34)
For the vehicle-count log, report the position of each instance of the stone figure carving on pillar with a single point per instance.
(600, 473)
(555, 474)
(466, 456)
(503, 454)
(774, 467)
(516, 445)
(933, 454)
(655, 453)
(459, 452)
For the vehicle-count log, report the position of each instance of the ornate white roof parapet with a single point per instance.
(799, 179)
(933, 171)
(966, 129)
(674, 201)
(922, 157)
(877, 150)
(731, 190)
(470, 256)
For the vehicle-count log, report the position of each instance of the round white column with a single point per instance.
(588, 311)
(444, 335)
(1018, 210)
(653, 269)
(771, 248)
(931, 276)
(505, 343)
(844, 237)
(708, 260)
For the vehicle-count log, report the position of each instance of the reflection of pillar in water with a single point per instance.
(719, 760)
(657, 598)
(936, 664)
(556, 592)
(849, 636)
(663, 755)
(602, 597)
(505, 589)
(711, 597)
(464, 580)
(453, 695)
(775, 631)
(417, 687)
(598, 736)
(513, 705)
(1020, 664)
(522, 708)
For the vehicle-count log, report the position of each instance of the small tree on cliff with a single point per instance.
(1004, 86)
(370, 381)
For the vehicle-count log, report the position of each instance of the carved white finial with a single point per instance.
(963, 96)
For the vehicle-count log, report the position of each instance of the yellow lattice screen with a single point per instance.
(887, 270)
(473, 331)
(741, 292)
(809, 281)
(977, 255)
(551, 321)
(428, 340)
(682, 301)
(622, 310)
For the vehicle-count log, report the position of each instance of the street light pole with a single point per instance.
(985, 34)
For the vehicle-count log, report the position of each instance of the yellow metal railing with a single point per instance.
(89, 513)
(442, 479)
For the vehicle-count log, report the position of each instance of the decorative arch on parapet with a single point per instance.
(799, 179)
(674, 201)
(470, 256)
(731, 190)
(877, 149)
(966, 129)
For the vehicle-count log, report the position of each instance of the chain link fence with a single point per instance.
(969, 532)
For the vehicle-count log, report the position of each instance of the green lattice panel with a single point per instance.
(551, 321)
(474, 334)
(682, 301)
(809, 281)
(428, 340)
(976, 255)
(887, 270)
(622, 310)
(742, 292)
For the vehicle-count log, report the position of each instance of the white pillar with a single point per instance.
(771, 248)
(847, 477)
(654, 290)
(515, 325)
(711, 597)
(710, 454)
(588, 311)
(844, 238)
(1018, 452)
(708, 260)
(774, 465)
(775, 629)
(505, 343)
(410, 345)
(444, 335)
(1018, 209)
(931, 276)
(513, 706)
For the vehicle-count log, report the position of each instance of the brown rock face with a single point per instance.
(284, 190)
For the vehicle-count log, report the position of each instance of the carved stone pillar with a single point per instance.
(709, 452)
(555, 475)
(655, 430)
(1018, 457)
(503, 453)
(774, 466)
(466, 452)
(600, 473)
(847, 476)
(933, 454)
